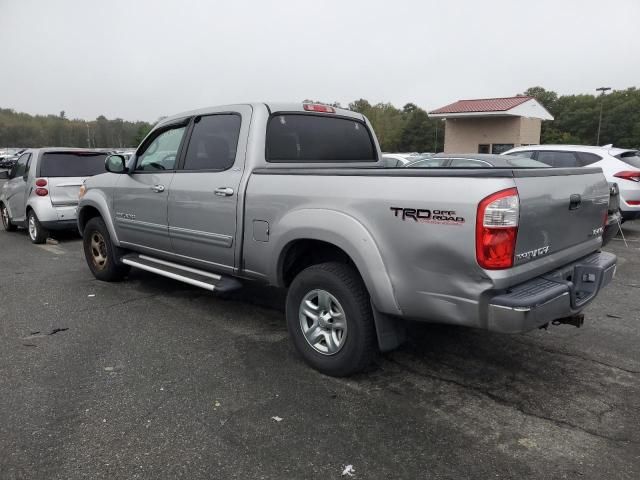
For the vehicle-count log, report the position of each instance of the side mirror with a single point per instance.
(4, 175)
(116, 164)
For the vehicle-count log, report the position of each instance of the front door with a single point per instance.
(203, 197)
(17, 187)
(140, 203)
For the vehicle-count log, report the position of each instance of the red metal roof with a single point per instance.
(483, 105)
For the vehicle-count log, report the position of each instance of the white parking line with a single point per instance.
(52, 249)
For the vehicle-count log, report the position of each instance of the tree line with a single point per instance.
(409, 129)
(24, 130)
(406, 129)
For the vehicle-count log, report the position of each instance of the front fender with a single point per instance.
(95, 198)
(347, 233)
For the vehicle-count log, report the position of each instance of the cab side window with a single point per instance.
(213, 142)
(162, 152)
(21, 167)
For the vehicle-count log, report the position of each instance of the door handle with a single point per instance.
(223, 191)
(158, 188)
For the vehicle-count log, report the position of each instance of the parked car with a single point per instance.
(42, 190)
(288, 195)
(8, 160)
(473, 160)
(396, 160)
(619, 165)
(482, 160)
(399, 160)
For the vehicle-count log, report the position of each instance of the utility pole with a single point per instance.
(601, 90)
(435, 139)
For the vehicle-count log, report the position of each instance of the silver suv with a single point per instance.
(42, 190)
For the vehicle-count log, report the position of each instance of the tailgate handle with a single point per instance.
(574, 201)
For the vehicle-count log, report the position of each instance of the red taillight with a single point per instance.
(318, 107)
(41, 182)
(42, 192)
(633, 202)
(497, 229)
(634, 176)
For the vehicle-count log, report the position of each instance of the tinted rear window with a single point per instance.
(588, 158)
(630, 158)
(560, 159)
(313, 138)
(72, 164)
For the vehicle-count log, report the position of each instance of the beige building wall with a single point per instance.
(530, 129)
(464, 135)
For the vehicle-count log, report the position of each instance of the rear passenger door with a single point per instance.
(204, 196)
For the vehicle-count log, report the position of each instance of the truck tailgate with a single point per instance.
(558, 211)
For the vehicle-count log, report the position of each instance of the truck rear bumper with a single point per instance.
(561, 293)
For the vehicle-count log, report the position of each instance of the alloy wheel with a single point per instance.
(323, 322)
(98, 250)
(33, 228)
(5, 217)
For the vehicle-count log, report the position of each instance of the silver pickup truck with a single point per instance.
(293, 195)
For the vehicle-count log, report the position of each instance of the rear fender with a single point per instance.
(348, 234)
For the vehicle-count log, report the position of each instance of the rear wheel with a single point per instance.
(6, 220)
(102, 256)
(37, 233)
(330, 320)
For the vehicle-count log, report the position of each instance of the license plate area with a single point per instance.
(586, 280)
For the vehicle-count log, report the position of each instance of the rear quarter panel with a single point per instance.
(429, 263)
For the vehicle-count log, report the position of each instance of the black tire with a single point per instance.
(37, 233)
(102, 256)
(6, 220)
(359, 346)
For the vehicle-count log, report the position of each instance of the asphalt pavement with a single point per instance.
(150, 378)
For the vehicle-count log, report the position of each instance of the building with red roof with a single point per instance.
(491, 125)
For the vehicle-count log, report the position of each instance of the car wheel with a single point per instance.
(329, 319)
(6, 220)
(37, 233)
(102, 256)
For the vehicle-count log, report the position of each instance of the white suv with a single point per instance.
(619, 165)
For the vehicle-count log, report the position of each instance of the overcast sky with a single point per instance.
(142, 59)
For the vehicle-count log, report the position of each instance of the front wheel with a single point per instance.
(330, 320)
(37, 233)
(101, 254)
(6, 220)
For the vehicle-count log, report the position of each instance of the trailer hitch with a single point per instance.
(575, 320)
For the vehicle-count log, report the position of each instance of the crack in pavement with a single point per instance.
(567, 354)
(516, 406)
(37, 334)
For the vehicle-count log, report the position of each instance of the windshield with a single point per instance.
(72, 164)
(631, 157)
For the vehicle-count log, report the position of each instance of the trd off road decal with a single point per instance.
(425, 215)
